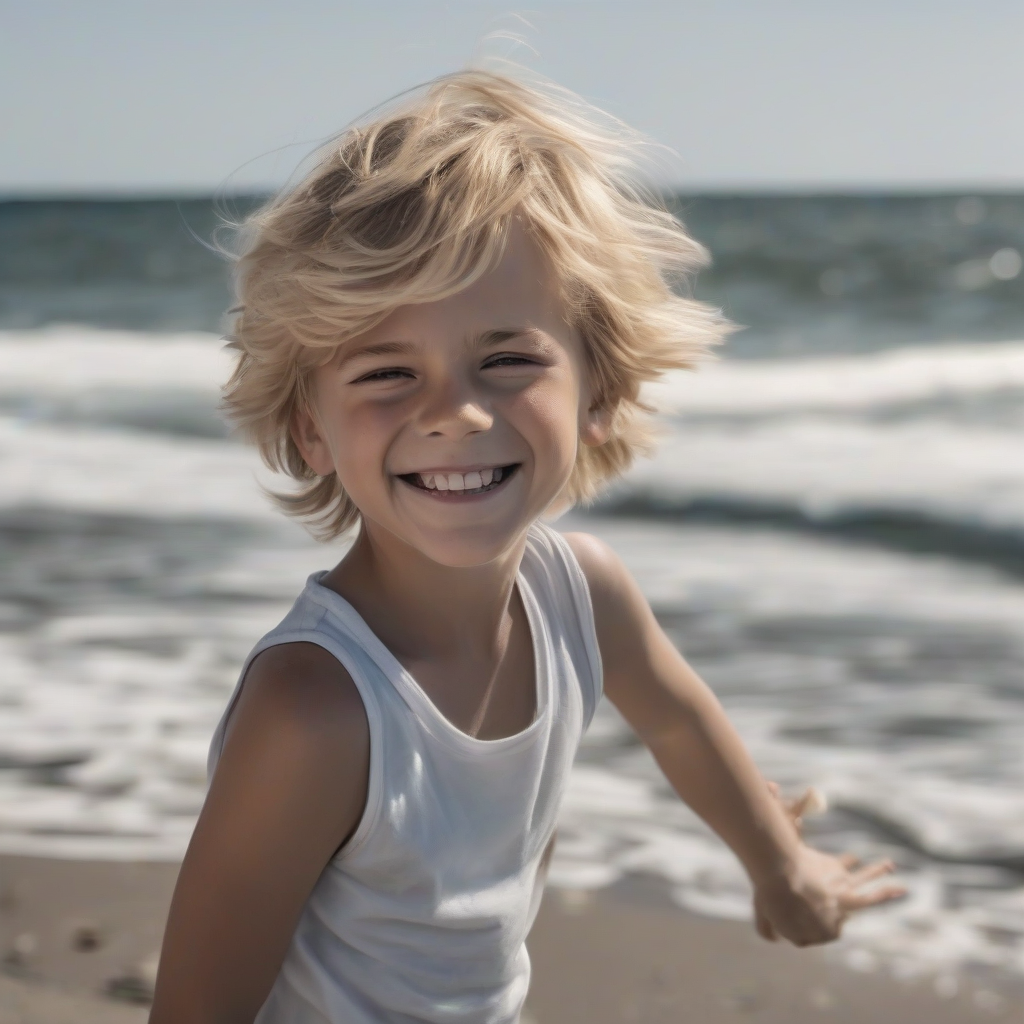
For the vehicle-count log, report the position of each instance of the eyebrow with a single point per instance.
(382, 348)
(507, 334)
(397, 348)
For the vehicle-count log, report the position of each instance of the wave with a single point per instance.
(890, 683)
(874, 381)
(927, 481)
(44, 466)
(72, 358)
(916, 448)
(74, 376)
(902, 530)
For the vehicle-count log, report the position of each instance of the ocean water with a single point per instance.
(832, 531)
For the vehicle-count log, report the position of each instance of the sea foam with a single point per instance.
(890, 681)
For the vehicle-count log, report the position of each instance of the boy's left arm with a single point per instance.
(800, 893)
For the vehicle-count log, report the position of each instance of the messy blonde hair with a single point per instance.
(413, 206)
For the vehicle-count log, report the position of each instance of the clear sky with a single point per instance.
(156, 96)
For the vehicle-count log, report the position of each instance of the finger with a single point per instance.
(859, 900)
(817, 802)
(819, 934)
(764, 926)
(798, 807)
(773, 787)
(851, 900)
(811, 802)
(849, 860)
(870, 872)
(793, 811)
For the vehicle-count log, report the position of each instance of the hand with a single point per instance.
(809, 902)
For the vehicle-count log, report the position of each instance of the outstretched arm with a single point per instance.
(799, 893)
(288, 790)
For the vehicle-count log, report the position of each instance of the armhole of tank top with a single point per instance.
(374, 785)
(584, 608)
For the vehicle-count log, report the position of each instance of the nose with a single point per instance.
(453, 409)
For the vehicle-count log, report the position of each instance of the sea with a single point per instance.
(831, 531)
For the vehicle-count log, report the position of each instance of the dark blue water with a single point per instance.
(803, 274)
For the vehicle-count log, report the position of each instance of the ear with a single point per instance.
(310, 441)
(596, 426)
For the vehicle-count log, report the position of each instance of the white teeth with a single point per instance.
(471, 481)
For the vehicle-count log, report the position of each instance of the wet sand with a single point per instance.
(79, 942)
(627, 955)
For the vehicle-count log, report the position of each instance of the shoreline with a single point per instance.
(79, 941)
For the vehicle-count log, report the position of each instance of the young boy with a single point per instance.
(443, 332)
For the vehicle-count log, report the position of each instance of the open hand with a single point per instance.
(809, 902)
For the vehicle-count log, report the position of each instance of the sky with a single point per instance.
(122, 96)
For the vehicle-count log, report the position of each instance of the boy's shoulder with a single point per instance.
(298, 695)
(617, 600)
(291, 782)
(595, 556)
(632, 644)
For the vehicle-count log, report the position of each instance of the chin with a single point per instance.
(466, 547)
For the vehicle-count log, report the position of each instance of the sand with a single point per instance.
(79, 939)
(628, 955)
(79, 942)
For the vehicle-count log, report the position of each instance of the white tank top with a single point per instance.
(423, 914)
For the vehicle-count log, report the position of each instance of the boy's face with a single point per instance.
(454, 424)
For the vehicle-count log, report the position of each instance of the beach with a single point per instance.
(80, 941)
(831, 532)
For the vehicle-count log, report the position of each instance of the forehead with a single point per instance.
(521, 291)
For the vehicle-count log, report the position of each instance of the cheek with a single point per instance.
(360, 436)
(548, 416)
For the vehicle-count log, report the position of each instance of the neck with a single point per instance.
(423, 610)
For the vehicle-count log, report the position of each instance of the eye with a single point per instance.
(390, 373)
(509, 359)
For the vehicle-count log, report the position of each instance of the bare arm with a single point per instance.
(289, 789)
(800, 893)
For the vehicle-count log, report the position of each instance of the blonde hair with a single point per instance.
(413, 206)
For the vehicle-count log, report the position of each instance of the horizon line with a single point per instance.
(695, 189)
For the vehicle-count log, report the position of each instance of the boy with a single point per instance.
(443, 333)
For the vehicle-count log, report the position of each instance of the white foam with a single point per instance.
(957, 819)
(961, 799)
(125, 726)
(760, 572)
(826, 466)
(805, 433)
(843, 383)
(139, 722)
(812, 435)
(114, 472)
(817, 457)
(920, 935)
(58, 360)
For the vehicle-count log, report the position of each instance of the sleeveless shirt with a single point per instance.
(423, 914)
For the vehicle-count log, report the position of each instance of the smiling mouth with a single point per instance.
(454, 485)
